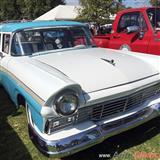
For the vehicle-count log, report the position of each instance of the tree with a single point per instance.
(30, 9)
(155, 3)
(98, 10)
(34, 8)
(8, 8)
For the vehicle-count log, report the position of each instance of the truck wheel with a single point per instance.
(125, 47)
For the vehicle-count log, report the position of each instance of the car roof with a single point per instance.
(137, 9)
(12, 27)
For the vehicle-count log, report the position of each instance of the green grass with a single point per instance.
(15, 143)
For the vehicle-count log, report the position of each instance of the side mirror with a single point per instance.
(131, 29)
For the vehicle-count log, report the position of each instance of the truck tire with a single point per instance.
(125, 47)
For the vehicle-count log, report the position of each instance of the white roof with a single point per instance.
(61, 12)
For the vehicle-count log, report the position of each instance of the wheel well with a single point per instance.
(20, 100)
(125, 46)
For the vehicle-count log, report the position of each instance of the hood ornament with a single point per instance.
(109, 61)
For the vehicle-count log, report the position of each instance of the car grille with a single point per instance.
(125, 120)
(102, 110)
(109, 108)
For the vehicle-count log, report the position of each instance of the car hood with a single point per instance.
(96, 68)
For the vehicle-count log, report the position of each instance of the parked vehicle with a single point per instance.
(76, 95)
(136, 30)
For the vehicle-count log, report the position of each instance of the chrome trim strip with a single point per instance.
(81, 141)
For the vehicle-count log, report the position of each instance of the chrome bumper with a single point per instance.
(78, 142)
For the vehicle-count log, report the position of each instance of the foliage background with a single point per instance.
(28, 9)
(98, 11)
(155, 2)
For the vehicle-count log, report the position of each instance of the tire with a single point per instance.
(125, 47)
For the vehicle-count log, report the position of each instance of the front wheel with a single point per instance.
(125, 47)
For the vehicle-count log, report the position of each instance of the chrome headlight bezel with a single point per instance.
(62, 98)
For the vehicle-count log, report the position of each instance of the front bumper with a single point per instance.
(95, 135)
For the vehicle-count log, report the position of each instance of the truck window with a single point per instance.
(6, 42)
(154, 17)
(131, 19)
(142, 23)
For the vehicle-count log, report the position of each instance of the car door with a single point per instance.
(4, 58)
(121, 39)
(141, 40)
(154, 45)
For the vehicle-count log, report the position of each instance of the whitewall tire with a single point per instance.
(125, 47)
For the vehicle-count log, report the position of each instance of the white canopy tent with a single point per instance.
(61, 12)
(64, 12)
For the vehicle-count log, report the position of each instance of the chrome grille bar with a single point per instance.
(102, 110)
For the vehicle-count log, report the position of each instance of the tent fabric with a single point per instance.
(61, 12)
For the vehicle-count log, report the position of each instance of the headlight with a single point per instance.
(67, 104)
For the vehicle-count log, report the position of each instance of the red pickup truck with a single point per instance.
(136, 30)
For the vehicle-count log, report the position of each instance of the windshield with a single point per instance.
(154, 17)
(28, 42)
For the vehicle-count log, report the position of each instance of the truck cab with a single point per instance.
(136, 30)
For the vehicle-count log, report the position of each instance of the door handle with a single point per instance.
(117, 36)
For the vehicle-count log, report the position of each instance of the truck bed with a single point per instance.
(102, 40)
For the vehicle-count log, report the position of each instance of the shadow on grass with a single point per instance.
(115, 145)
(11, 146)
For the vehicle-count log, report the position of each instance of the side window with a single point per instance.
(142, 23)
(154, 17)
(6, 41)
(129, 19)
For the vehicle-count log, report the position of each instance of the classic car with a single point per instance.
(75, 94)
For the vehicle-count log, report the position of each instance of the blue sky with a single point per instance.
(136, 3)
(128, 3)
(72, 2)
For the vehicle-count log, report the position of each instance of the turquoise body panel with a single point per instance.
(12, 27)
(13, 89)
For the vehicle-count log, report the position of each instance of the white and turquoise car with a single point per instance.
(76, 95)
